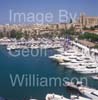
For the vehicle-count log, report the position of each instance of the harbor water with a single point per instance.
(40, 66)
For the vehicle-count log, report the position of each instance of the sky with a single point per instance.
(90, 7)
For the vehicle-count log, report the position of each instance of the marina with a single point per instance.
(33, 44)
(78, 58)
(73, 59)
(48, 50)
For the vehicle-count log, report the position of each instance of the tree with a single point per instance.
(19, 35)
(62, 33)
(96, 46)
(92, 28)
(26, 35)
(1, 35)
(70, 31)
(85, 28)
(89, 36)
(13, 33)
(96, 26)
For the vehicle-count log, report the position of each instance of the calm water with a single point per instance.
(40, 65)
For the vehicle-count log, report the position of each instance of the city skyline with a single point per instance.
(44, 6)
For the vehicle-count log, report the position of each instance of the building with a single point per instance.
(88, 21)
(85, 21)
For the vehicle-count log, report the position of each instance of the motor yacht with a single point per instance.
(55, 97)
(58, 57)
(58, 97)
(95, 77)
(88, 92)
(89, 69)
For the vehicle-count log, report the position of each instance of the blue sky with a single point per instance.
(90, 7)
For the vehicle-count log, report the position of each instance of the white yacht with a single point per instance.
(55, 97)
(95, 77)
(76, 66)
(81, 65)
(89, 69)
(88, 92)
(63, 57)
(80, 62)
(58, 97)
(74, 97)
(12, 47)
(73, 62)
(16, 47)
(58, 57)
(70, 64)
(84, 65)
(67, 56)
(34, 46)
